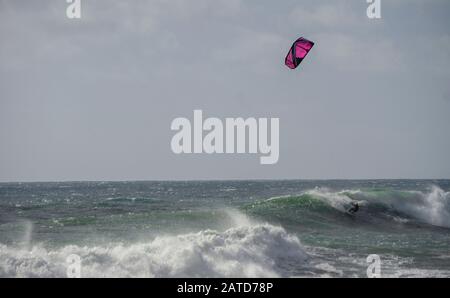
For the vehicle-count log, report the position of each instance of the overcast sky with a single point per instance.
(93, 99)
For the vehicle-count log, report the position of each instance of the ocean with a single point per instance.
(286, 228)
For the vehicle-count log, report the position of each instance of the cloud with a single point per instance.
(349, 53)
(253, 50)
(325, 15)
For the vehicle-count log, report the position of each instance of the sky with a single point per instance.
(94, 98)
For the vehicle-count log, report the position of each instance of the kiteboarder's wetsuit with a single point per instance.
(354, 208)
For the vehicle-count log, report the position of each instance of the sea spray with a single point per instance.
(248, 251)
(27, 234)
(430, 207)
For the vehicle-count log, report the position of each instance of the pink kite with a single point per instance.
(298, 52)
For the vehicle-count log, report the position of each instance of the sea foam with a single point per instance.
(257, 250)
(431, 207)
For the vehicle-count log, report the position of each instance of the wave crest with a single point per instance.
(430, 207)
(252, 251)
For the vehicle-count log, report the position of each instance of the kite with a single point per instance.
(298, 52)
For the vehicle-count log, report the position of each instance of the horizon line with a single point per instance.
(225, 180)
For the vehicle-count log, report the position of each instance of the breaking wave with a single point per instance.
(431, 207)
(256, 250)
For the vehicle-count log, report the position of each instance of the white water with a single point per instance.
(250, 250)
(338, 200)
(432, 207)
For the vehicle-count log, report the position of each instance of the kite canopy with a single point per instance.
(298, 52)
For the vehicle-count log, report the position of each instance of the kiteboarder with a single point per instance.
(354, 208)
